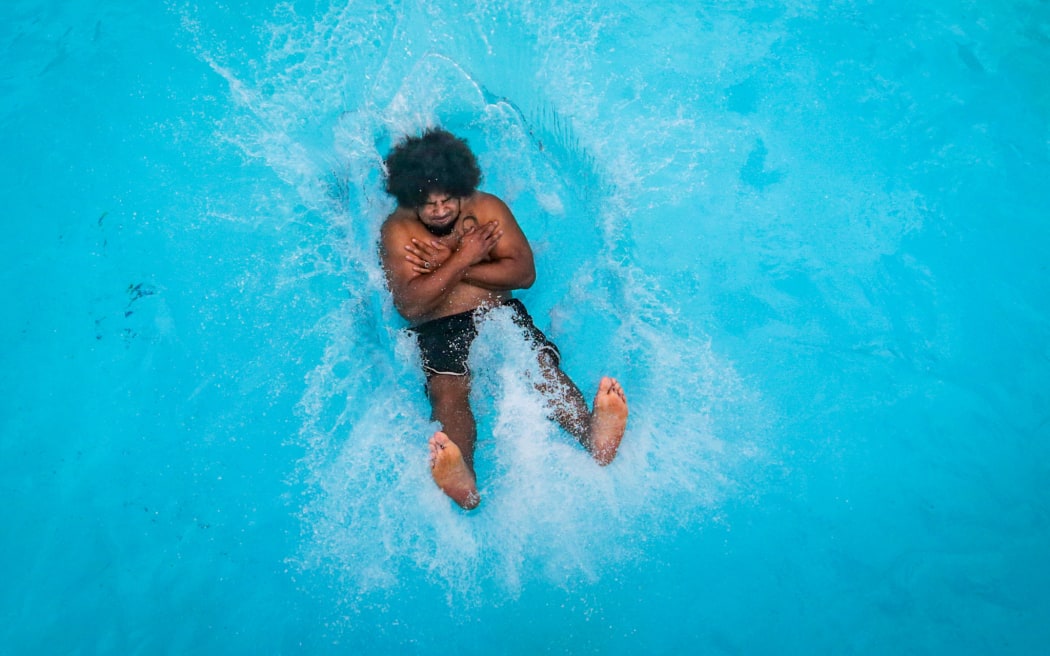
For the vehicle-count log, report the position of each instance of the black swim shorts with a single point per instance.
(445, 342)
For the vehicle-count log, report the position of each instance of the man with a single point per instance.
(452, 253)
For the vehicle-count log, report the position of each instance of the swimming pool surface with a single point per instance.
(810, 238)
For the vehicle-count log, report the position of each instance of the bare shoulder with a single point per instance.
(398, 217)
(487, 207)
(396, 231)
(396, 224)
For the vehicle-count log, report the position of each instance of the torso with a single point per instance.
(464, 296)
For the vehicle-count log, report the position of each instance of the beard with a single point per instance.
(442, 231)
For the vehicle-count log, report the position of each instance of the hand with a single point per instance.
(426, 257)
(477, 242)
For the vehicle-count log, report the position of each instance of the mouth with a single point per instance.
(440, 227)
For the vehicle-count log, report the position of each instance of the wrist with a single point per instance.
(453, 268)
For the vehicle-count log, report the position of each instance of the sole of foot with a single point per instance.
(608, 420)
(451, 472)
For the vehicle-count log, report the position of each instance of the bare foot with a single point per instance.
(608, 420)
(450, 472)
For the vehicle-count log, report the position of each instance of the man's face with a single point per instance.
(439, 211)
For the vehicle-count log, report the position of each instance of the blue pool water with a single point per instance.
(810, 238)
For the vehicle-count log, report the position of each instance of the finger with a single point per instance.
(421, 265)
(420, 248)
(435, 252)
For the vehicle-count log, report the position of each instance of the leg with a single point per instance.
(452, 448)
(565, 399)
(599, 431)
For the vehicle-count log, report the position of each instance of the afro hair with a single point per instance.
(437, 161)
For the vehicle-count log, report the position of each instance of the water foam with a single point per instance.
(372, 519)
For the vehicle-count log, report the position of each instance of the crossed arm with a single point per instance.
(493, 255)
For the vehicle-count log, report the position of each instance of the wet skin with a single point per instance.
(452, 255)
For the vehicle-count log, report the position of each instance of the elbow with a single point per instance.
(410, 313)
(529, 278)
